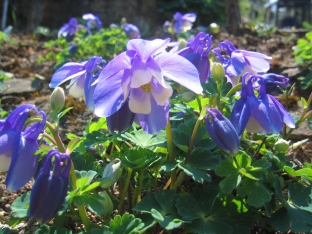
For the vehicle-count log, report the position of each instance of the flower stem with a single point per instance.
(232, 91)
(124, 191)
(173, 175)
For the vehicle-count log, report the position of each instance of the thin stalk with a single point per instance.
(124, 191)
(173, 175)
(232, 91)
(199, 103)
(188, 154)
(138, 189)
(257, 152)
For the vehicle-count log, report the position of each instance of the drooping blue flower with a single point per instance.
(131, 31)
(183, 23)
(138, 75)
(197, 51)
(50, 187)
(93, 21)
(222, 131)
(262, 114)
(18, 145)
(241, 61)
(81, 76)
(69, 30)
(72, 49)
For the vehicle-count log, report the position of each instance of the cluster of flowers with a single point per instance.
(18, 147)
(93, 23)
(134, 87)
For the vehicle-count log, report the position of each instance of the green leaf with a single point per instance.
(140, 158)
(182, 136)
(210, 87)
(200, 159)
(256, 192)
(168, 165)
(292, 218)
(162, 207)
(232, 176)
(52, 229)
(20, 206)
(208, 213)
(306, 172)
(61, 114)
(143, 139)
(72, 145)
(93, 202)
(127, 224)
(300, 196)
(194, 103)
(84, 178)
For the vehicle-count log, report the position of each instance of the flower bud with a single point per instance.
(217, 72)
(112, 172)
(107, 203)
(214, 28)
(188, 96)
(281, 146)
(57, 99)
(222, 131)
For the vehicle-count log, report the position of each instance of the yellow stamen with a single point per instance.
(147, 88)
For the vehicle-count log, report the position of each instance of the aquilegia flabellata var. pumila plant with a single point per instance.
(186, 139)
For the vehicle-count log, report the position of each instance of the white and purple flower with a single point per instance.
(137, 77)
(183, 23)
(93, 21)
(81, 76)
(241, 61)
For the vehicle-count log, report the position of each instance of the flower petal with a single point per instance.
(66, 72)
(240, 116)
(24, 164)
(140, 74)
(161, 94)
(156, 72)
(108, 95)
(171, 65)
(191, 17)
(139, 101)
(156, 120)
(238, 61)
(119, 63)
(75, 86)
(147, 48)
(285, 115)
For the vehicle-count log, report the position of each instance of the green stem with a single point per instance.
(232, 91)
(138, 189)
(199, 103)
(192, 140)
(173, 175)
(179, 180)
(124, 191)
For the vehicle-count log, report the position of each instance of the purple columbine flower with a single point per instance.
(69, 30)
(222, 131)
(138, 75)
(241, 61)
(131, 31)
(262, 114)
(196, 52)
(93, 21)
(183, 23)
(81, 76)
(18, 146)
(50, 187)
